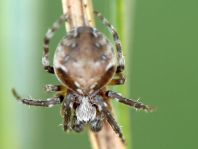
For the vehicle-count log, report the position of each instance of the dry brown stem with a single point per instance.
(78, 11)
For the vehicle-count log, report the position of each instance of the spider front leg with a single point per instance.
(66, 111)
(96, 124)
(47, 38)
(76, 125)
(42, 103)
(120, 57)
(109, 117)
(129, 102)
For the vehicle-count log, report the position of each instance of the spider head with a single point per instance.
(85, 60)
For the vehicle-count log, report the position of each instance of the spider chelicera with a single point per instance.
(85, 63)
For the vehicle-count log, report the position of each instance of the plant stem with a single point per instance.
(80, 11)
(77, 13)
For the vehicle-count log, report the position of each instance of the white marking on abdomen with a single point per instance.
(85, 111)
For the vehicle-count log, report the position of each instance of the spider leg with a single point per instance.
(118, 81)
(47, 38)
(96, 124)
(129, 102)
(76, 125)
(67, 112)
(110, 118)
(120, 57)
(42, 103)
(54, 88)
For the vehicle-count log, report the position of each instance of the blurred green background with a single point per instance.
(160, 38)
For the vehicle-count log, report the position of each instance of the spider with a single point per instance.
(85, 63)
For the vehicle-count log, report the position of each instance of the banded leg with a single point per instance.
(96, 124)
(67, 112)
(129, 102)
(110, 118)
(118, 81)
(42, 103)
(47, 38)
(54, 88)
(120, 57)
(76, 125)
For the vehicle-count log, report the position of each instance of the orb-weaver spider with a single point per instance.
(85, 63)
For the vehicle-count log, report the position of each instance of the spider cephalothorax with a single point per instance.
(85, 63)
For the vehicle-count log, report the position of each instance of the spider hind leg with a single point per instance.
(120, 57)
(47, 38)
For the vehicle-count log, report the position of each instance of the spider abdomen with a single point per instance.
(85, 60)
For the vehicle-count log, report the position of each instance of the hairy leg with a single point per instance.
(99, 101)
(129, 102)
(37, 102)
(76, 125)
(50, 33)
(66, 111)
(120, 57)
(96, 124)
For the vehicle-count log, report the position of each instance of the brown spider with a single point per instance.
(85, 63)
